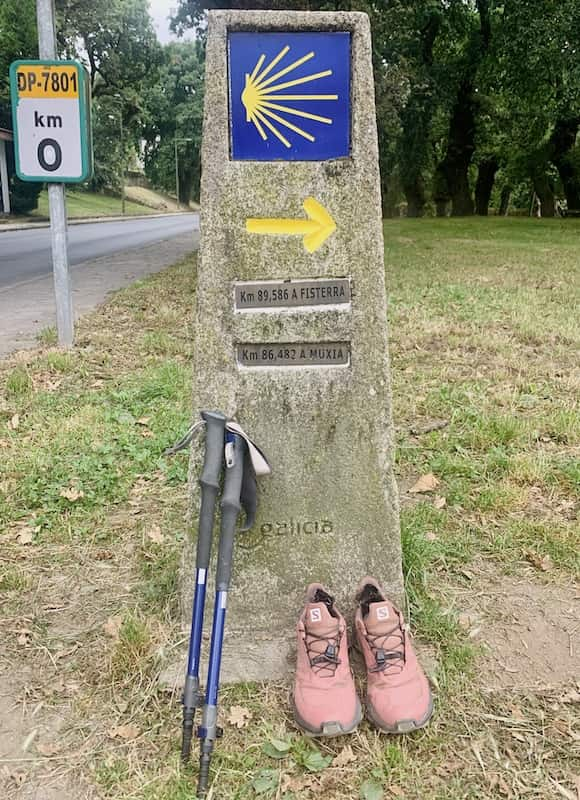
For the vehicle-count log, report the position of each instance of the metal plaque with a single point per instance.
(291, 294)
(296, 354)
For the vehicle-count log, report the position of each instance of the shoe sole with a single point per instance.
(329, 730)
(404, 725)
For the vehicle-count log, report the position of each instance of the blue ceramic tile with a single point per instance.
(289, 96)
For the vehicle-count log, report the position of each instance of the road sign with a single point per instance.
(289, 96)
(51, 120)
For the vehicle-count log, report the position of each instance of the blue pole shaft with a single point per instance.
(209, 482)
(215, 654)
(197, 623)
(230, 506)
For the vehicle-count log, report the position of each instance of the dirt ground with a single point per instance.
(87, 624)
(528, 630)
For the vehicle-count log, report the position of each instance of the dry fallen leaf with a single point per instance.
(239, 716)
(48, 748)
(125, 732)
(14, 421)
(72, 493)
(296, 783)
(426, 483)
(104, 555)
(24, 637)
(155, 535)
(112, 627)
(25, 536)
(439, 502)
(143, 420)
(516, 713)
(561, 726)
(543, 563)
(571, 697)
(346, 756)
(17, 777)
(466, 620)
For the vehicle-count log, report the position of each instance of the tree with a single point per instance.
(537, 56)
(116, 41)
(404, 34)
(174, 116)
(18, 40)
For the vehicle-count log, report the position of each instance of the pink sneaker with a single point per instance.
(325, 700)
(398, 694)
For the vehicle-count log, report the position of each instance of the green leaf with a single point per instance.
(267, 781)
(371, 790)
(314, 761)
(276, 748)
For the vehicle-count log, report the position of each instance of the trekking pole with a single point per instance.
(209, 482)
(230, 508)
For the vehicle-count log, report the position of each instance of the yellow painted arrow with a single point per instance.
(315, 230)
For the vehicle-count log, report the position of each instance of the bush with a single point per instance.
(23, 195)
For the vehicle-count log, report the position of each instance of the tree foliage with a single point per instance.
(18, 40)
(477, 100)
(468, 91)
(174, 117)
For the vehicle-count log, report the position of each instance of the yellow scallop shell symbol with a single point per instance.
(262, 100)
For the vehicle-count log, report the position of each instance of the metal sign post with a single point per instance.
(52, 133)
(56, 199)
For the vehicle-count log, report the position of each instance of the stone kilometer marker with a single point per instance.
(290, 328)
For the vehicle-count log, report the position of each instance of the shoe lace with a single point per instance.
(323, 660)
(388, 659)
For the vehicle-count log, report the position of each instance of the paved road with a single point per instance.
(25, 254)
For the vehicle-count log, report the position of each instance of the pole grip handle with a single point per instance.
(230, 507)
(215, 429)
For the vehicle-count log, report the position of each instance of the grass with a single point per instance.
(484, 335)
(87, 204)
(484, 338)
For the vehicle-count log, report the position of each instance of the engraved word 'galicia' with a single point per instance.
(295, 528)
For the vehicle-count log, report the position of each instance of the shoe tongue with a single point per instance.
(319, 621)
(382, 618)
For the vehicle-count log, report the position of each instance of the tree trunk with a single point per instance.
(415, 194)
(415, 154)
(186, 176)
(504, 202)
(461, 199)
(387, 198)
(483, 188)
(563, 141)
(544, 188)
(440, 192)
(460, 147)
